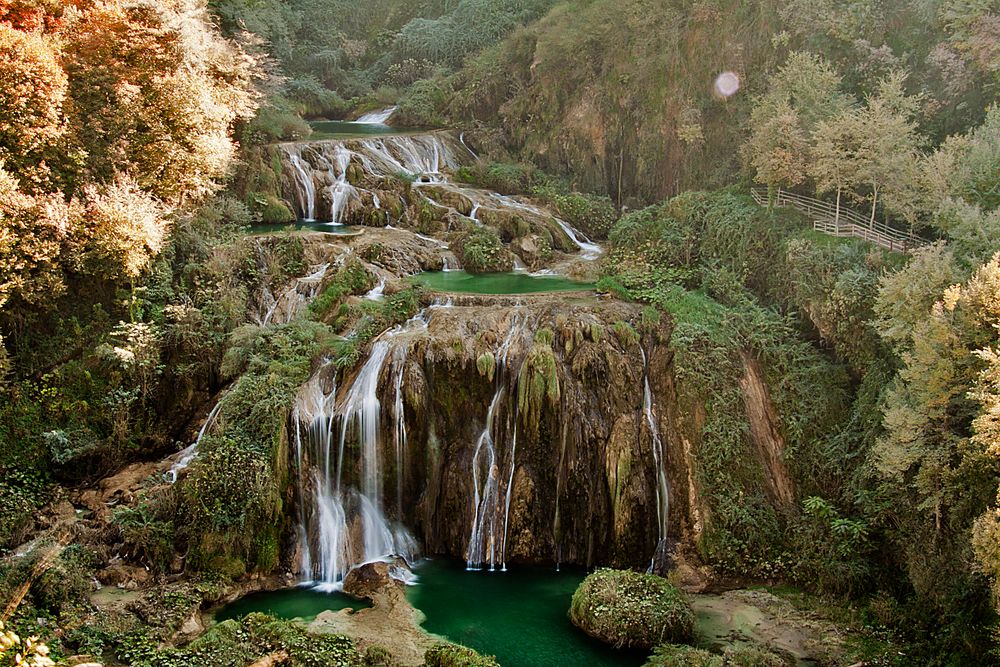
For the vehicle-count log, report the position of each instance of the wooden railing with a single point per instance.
(843, 223)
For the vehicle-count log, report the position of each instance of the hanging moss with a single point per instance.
(486, 364)
(538, 382)
(596, 332)
(625, 333)
(545, 336)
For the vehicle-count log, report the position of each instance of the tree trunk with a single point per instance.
(874, 204)
(836, 218)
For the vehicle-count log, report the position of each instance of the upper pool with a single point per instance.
(497, 283)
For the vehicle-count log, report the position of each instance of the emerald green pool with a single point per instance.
(339, 129)
(519, 615)
(304, 603)
(497, 283)
(306, 225)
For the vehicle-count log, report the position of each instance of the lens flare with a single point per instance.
(727, 84)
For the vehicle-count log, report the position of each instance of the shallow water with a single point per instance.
(323, 130)
(520, 616)
(497, 283)
(306, 225)
(304, 603)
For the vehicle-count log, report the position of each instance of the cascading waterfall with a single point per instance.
(588, 249)
(347, 523)
(659, 463)
(421, 157)
(486, 546)
(399, 417)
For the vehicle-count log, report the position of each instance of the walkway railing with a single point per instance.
(845, 223)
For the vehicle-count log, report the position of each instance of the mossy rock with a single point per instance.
(273, 211)
(453, 655)
(631, 610)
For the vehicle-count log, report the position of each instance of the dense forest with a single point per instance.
(774, 370)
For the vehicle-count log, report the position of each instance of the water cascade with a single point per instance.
(292, 301)
(659, 463)
(342, 519)
(424, 158)
(377, 117)
(306, 188)
(487, 544)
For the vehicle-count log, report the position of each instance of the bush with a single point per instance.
(483, 252)
(631, 610)
(452, 655)
(272, 210)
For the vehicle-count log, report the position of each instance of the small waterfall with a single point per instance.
(341, 192)
(659, 461)
(485, 544)
(189, 453)
(377, 293)
(420, 157)
(377, 117)
(399, 416)
(342, 518)
(306, 186)
(292, 301)
(589, 250)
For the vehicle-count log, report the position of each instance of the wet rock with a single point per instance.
(367, 580)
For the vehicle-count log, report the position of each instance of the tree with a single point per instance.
(887, 154)
(779, 150)
(153, 93)
(803, 94)
(32, 89)
(906, 296)
(835, 145)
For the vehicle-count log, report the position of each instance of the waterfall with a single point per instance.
(292, 301)
(376, 293)
(341, 192)
(377, 117)
(483, 538)
(421, 156)
(188, 454)
(339, 454)
(659, 462)
(399, 416)
(306, 186)
(588, 249)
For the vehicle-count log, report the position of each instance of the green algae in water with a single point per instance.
(289, 603)
(497, 283)
(520, 616)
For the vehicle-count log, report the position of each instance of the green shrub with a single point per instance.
(452, 655)
(631, 610)
(483, 252)
(271, 209)
(594, 215)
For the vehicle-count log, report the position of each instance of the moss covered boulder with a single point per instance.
(631, 610)
(674, 655)
(453, 655)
